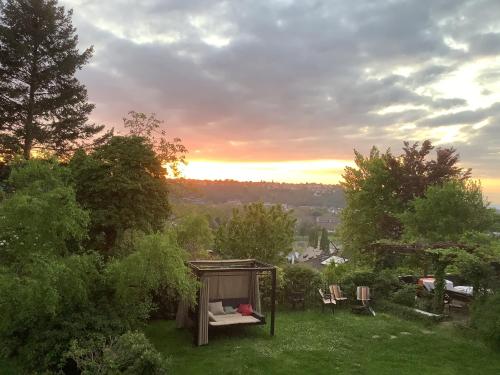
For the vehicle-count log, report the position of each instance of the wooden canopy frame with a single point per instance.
(201, 268)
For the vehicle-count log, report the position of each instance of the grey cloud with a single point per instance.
(485, 44)
(429, 74)
(482, 152)
(292, 69)
(463, 117)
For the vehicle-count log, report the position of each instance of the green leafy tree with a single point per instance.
(414, 171)
(257, 232)
(123, 185)
(371, 207)
(194, 234)
(53, 291)
(42, 190)
(44, 274)
(324, 243)
(446, 212)
(382, 185)
(42, 104)
(172, 153)
(441, 259)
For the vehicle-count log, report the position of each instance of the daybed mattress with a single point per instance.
(229, 319)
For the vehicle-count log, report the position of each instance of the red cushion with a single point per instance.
(245, 309)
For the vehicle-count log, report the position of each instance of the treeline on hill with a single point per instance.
(223, 191)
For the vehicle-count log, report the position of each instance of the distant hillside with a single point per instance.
(204, 191)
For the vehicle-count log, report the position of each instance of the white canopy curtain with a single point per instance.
(229, 285)
(203, 311)
(254, 292)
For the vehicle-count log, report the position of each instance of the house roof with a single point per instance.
(317, 261)
(334, 259)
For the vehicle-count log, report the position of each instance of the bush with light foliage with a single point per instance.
(299, 278)
(156, 265)
(128, 354)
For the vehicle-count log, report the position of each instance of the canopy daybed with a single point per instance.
(231, 284)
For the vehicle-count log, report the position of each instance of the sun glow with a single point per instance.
(301, 171)
(491, 189)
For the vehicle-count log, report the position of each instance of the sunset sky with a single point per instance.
(285, 90)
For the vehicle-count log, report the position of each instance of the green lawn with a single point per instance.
(312, 342)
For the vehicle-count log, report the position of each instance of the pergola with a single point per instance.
(233, 282)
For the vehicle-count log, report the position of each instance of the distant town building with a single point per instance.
(293, 257)
(328, 221)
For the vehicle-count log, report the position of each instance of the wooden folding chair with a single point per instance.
(337, 294)
(327, 300)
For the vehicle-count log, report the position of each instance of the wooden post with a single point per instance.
(273, 298)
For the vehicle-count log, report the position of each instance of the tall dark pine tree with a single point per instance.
(324, 242)
(313, 238)
(42, 104)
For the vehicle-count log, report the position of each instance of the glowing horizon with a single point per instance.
(322, 171)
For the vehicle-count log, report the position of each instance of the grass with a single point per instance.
(312, 342)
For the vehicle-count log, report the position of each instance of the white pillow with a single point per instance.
(211, 316)
(216, 308)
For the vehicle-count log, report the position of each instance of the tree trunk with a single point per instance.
(439, 286)
(28, 125)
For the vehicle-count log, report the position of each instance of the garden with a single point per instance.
(95, 289)
(95, 259)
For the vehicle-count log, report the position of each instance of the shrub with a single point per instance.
(335, 273)
(358, 277)
(157, 264)
(43, 311)
(386, 283)
(130, 353)
(300, 278)
(405, 296)
(486, 318)
(349, 276)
